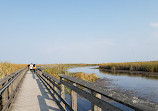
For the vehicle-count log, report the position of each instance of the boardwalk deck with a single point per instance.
(33, 96)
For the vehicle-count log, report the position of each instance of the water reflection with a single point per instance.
(104, 71)
(134, 84)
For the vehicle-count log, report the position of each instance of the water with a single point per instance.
(133, 84)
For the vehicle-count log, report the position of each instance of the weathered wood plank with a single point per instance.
(74, 98)
(93, 106)
(62, 92)
(32, 95)
(55, 88)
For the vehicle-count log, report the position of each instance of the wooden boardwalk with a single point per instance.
(33, 96)
(43, 92)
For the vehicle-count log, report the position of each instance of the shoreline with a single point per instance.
(151, 74)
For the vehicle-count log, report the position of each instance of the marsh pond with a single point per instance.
(133, 84)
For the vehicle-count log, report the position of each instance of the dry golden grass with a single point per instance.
(8, 68)
(132, 66)
(56, 70)
(84, 76)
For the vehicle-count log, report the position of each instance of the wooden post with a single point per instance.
(56, 91)
(48, 78)
(7, 92)
(74, 99)
(93, 106)
(10, 89)
(51, 84)
(5, 95)
(62, 92)
(1, 102)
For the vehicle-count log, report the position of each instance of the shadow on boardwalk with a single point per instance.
(34, 95)
(47, 95)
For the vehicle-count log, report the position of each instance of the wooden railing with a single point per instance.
(8, 88)
(93, 93)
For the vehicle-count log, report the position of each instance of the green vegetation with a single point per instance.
(132, 66)
(8, 68)
(56, 70)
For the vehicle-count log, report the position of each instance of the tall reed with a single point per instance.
(151, 66)
(56, 70)
(8, 68)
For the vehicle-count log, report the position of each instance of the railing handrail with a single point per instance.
(8, 88)
(128, 100)
(125, 99)
(56, 83)
(48, 75)
(6, 78)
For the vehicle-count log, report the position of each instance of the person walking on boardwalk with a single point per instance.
(28, 67)
(31, 67)
(34, 68)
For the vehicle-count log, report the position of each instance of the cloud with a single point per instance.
(154, 24)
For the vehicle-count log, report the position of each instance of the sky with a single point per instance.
(78, 31)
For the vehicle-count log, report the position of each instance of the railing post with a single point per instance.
(93, 106)
(62, 92)
(1, 102)
(56, 91)
(74, 99)
(5, 96)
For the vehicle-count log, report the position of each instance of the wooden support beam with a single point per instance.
(62, 92)
(93, 106)
(55, 88)
(74, 99)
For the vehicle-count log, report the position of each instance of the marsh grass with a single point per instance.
(8, 68)
(132, 66)
(56, 70)
(84, 76)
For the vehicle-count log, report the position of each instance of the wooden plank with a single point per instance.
(104, 105)
(55, 88)
(130, 101)
(1, 103)
(74, 99)
(62, 92)
(32, 95)
(93, 106)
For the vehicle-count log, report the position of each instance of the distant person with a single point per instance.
(34, 68)
(31, 67)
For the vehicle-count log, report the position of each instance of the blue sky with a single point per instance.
(83, 31)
